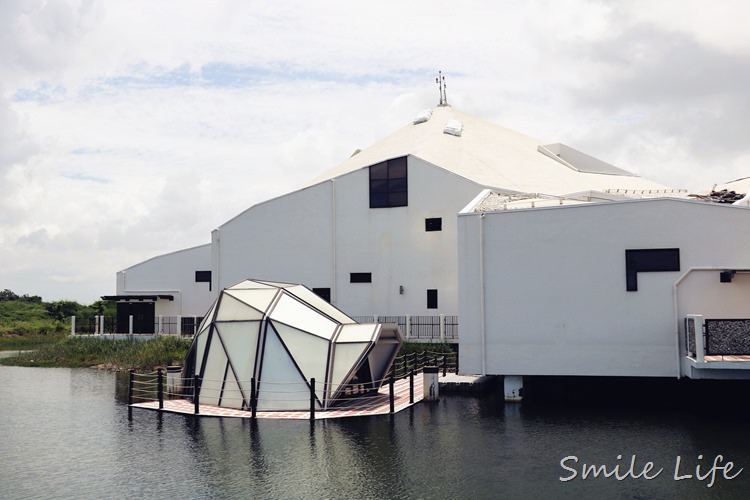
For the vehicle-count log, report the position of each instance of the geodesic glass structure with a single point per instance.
(282, 335)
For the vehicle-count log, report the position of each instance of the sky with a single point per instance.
(133, 129)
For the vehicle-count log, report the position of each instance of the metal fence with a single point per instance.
(419, 328)
(185, 326)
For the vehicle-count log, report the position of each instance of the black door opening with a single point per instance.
(143, 317)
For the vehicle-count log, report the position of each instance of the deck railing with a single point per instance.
(716, 337)
(279, 396)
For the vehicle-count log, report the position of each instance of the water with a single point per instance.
(67, 433)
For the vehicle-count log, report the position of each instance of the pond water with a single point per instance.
(67, 433)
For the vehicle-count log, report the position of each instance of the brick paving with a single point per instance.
(370, 405)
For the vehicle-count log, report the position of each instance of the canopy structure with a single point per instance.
(282, 335)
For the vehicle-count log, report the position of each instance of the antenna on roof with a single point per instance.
(440, 80)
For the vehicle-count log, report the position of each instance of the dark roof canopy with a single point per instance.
(137, 297)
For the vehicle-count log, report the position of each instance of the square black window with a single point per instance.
(360, 278)
(434, 224)
(323, 293)
(389, 184)
(432, 299)
(203, 277)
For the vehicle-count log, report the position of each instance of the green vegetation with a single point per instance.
(418, 347)
(76, 352)
(26, 322)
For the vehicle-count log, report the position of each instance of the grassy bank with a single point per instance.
(76, 352)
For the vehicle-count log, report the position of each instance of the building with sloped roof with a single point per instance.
(377, 234)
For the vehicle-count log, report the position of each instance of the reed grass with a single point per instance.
(76, 352)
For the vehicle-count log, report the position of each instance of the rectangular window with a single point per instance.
(648, 261)
(323, 293)
(432, 299)
(388, 184)
(434, 224)
(360, 278)
(203, 277)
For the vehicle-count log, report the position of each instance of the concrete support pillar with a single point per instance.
(101, 325)
(96, 325)
(513, 386)
(130, 324)
(430, 383)
(72, 325)
(698, 332)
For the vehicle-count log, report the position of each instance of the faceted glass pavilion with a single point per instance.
(283, 335)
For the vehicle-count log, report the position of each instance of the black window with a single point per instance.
(648, 261)
(324, 293)
(434, 224)
(360, 278)
(432, 299)
(203, 277)
(388, 184)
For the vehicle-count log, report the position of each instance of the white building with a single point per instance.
(550, 287)
(377, 234)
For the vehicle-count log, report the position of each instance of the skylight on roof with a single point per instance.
(453, 127)
(423, 116)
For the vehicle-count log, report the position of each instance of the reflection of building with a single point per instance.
(377, 234)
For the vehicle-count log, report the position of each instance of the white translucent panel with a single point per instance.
(200, 348)
(307, 295)
(232, 396)
(231, 309)
(206, 321)
(357, 333)
(259, 299)
(250, 284)
(276, 284)
(213, 374)
(309, 352)
(241, 344)
(346, 358)
(292, 312)
(380, 359)
(282, 386)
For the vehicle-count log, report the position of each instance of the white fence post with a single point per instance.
(96, 324)
(442, 327)
(195, 325)
(130, 324)
(72, 325)
(101, 325)
(161, 324)
(179, 325)
(408, 326)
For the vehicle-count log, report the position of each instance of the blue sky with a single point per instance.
(130, 129)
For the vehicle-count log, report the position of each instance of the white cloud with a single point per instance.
(129, 129)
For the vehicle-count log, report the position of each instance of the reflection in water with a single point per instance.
(65, 436)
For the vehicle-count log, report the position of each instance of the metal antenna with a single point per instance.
(440, 80)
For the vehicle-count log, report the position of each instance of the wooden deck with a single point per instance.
(357, 407)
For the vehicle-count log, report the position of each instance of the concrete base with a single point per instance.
(513, 387)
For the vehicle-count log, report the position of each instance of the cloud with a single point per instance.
(133, 129)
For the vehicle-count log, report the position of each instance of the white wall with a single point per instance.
(555, 299)
(319, 235)
(173, 274)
